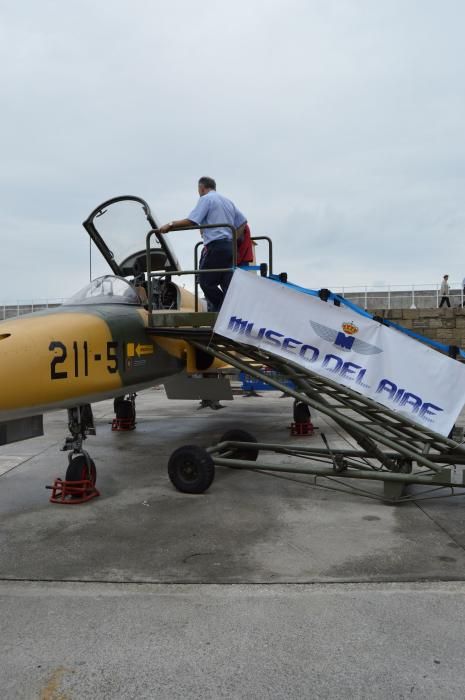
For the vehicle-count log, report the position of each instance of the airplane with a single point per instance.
(95, 346)
(106, 342)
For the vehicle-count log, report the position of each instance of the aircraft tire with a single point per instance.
(301, 412)
(77, 470)
(248, 454)
(191, 469)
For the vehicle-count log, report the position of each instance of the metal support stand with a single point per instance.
(302, 429)
(72, 492)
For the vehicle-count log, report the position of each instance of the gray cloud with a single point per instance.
(337, 127)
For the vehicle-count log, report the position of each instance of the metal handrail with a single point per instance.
(196, 281)
(252, 238)
(151, 274)
(270, 250)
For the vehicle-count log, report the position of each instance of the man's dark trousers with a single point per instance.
(218, 254)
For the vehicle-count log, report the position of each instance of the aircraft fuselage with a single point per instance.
(78, 354)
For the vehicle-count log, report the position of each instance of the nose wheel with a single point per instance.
(78, 485)
(81, 468)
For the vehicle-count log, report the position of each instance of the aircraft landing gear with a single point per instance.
(81, 474)
(125, 412)
(302, 424)
(210, 403)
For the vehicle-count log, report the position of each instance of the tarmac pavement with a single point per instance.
(263, 587)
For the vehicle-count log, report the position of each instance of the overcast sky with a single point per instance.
(336, 126)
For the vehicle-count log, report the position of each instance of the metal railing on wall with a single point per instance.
(416, 296)
(21, 307)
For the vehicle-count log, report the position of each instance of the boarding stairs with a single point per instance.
(394, 449)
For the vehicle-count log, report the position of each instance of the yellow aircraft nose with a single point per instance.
(49, 358)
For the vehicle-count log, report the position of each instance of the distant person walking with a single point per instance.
(445, 291)
(463, 292)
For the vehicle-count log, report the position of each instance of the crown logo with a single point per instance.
(349, 328)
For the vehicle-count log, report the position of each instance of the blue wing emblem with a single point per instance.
(357, 345)
(364, 348)
(328, 334)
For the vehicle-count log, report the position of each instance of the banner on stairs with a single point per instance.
(337, 343)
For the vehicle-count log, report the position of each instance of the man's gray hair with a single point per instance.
(208, 182)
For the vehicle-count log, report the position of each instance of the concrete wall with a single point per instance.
(444, 325)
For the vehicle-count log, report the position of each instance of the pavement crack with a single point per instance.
(196, 554)
(362, 581)
(28, 459)
(441, 527)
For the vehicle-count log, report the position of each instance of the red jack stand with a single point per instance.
(123, 424)
(72, 492)
(301, 429)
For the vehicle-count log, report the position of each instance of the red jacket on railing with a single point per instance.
(245, 248)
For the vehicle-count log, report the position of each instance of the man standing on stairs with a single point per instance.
(213, 208)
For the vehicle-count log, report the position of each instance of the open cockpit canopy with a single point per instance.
(105, 290)
(119, 227)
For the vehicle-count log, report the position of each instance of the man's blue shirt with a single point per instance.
(213, 208)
